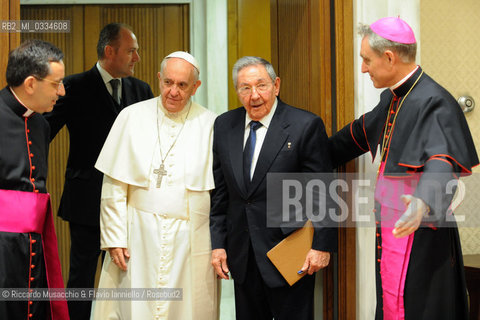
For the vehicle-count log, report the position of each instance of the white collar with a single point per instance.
(106, 77)
(180, 115)
(265, 121)
(399, 83)
(29, 111)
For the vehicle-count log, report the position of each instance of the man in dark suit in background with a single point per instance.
(287, 140)
(92, 102)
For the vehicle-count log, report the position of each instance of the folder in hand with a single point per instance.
(289, 254)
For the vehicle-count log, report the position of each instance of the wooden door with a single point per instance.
(312, 52)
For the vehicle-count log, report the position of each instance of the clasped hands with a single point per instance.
(410, 220)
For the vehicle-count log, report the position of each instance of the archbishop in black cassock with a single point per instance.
(423, 138)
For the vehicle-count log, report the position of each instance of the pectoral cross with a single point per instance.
(160, 172)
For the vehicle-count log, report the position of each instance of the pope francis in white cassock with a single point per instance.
(157, 165)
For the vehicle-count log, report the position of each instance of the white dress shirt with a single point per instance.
(106, 77)
(261, 133)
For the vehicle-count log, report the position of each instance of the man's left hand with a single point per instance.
(410, 221)
(315, 261)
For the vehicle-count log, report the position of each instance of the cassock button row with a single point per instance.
(30, 302)
(30, 315)
(32, 278)
(33, 179)
(378, 234)
(33, 241)
(379, 247)
(33, 167)
(28, 130)
(379, 260)
(33, 254)
(30, 142)
(32, 266)
(31, 155)
(36, 191)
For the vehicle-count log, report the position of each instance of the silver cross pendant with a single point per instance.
(160, 172)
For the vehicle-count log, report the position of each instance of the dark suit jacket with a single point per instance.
(89, 111)
(238, 217)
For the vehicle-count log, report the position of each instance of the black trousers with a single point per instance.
(254, 300)
(84, 252)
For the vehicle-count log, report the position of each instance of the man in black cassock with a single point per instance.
(28, 245)
(424, 142)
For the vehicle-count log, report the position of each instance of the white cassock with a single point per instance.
(165, 229)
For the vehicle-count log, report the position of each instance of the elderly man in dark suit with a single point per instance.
(92, 102)
(287, 139)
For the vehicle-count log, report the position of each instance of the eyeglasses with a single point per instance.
(58, 83)
(260, 88)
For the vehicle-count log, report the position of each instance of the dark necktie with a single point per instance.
(115, 83)
(248, 151)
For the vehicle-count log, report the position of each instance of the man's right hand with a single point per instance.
(119, 257)
(219, 263)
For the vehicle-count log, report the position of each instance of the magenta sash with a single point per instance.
(25, 212)
(395, 252)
